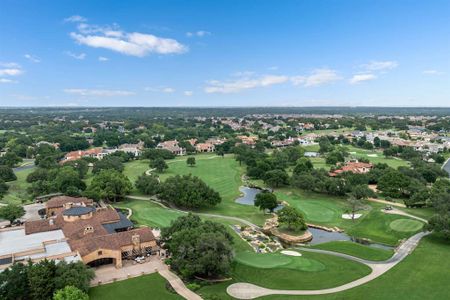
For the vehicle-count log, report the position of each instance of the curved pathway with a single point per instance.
(251, 291)
(395, 211)
(154, 200)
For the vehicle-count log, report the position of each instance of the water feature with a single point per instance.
(446, 167)
(322, 236)
(248, 197)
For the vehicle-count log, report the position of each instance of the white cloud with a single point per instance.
(80, 56)
(5, 80)
(199, 33)
(11, 72)
(128, 43)
(98, 93)
(32, 58)
(319, 77)
(244, 83)
(362, 77)
(75, 19)
(102, 58)
(380, 65)
(188, 93)
(433, 72)
(160, 89)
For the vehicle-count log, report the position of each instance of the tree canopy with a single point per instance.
(266, 200)
(189, 192)
(198, 248)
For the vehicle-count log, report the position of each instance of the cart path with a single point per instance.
(178, 285)
(251, 291)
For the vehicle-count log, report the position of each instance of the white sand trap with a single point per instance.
(291, 253)
(349, 216)
(352, 152)
(372, 155)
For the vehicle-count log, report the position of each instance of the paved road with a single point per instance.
(387, 202)
(395, 211)
(251, 291)
(178, 285)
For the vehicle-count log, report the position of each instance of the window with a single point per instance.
(100, 252)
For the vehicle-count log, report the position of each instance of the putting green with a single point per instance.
(406, 225)
(277, 260)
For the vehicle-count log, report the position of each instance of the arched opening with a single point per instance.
(101, 262)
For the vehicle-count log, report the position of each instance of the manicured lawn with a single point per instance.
(149, 213)
(422, 275)
(376, 156)
(357, 250)
(134, 169)
(17, 192)
(223, 174)
(310, 271)
(327, 210)
(151, 286)
(406, 225)
(153, 215)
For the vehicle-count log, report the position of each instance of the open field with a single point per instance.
(310, 271)
(375, 157)
(422, 275)
(223, 174)
(326, 210)
(357, 250)
(151, 286)
(17, 192)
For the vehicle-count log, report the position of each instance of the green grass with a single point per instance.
(153, 215)
(278, 260)
(17, 192)
(134, 169)
(376, 156)
(420, 276)
(406, 225)
(149, 213)
(327, 210)
(224, 176)
(151, 286)
(357, 250)
(319, 271)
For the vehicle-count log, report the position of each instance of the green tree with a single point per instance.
(68, 179)
(198, 248)
(10, 159)
(7, 174)
(109, 185)
(109, 162)
(276, 178)
(266, 200)
(11, 212)
(393, 183)
(440, 224)
(361, 192)
(189, 192)
(304, 165)
(148, 184)
(70, 293)
(3, 188)
(292, 218)
(14, 282)
(159, 164)
(41, 279)
(355, 204)
(190, 161)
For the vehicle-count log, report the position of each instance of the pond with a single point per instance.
(322, 236)
(248, 197)
(446, 167)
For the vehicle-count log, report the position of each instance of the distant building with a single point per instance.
(353, 167)
(172, 146)
(205, 147)
(75, 155)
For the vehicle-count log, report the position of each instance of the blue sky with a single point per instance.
(225, 53)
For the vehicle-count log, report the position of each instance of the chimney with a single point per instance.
(51, 222)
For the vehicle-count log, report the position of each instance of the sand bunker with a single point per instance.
(349, 216)
(291, 253)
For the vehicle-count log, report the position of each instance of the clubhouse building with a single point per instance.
(77, 230)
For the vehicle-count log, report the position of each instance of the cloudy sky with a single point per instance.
(225, 53)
